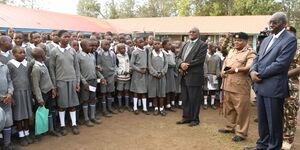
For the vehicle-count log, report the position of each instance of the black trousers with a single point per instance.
(270, 122)
(191, 96)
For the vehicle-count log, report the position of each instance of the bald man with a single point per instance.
(190, 65)
(269, 73)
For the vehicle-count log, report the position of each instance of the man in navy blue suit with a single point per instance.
(269, 73)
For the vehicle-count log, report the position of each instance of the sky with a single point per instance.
(65, 6)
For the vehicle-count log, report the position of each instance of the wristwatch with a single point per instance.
(236, 70)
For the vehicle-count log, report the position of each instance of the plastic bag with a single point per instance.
(41, 120)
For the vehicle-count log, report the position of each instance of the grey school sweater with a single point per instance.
(64, 65)
(87, 65)
(107, 60)
(6, 82)
(41, 80)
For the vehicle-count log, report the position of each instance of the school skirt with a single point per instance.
(67, 95)
(23, 105)
(157, 87)
(171, 81)
(138, 83)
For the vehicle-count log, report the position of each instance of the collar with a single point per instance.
(194, 41)
(63, 49)
(17, 64)
(210, 54)
(54, 43)
(83, 53)
(39, 63)
(32, 46)
(278, 34)
(155, 54)
(139, 48)
(6, 54)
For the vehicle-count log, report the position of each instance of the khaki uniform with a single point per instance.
(236, 89)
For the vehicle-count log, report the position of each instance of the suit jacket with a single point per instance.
(273, 65)
(196, 58)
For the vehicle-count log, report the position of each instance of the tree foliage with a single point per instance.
(90, 8)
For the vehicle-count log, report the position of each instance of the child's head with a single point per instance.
(5, 43)
(129, 43)
(86, 45)
(18, 38)
(80, 36)
(64, 37)
(156, 45)
(54, 36)
(19, 53)
(44, 37)
(94, 45)
(43, 46)
(166, 45)
(150, 40)
(121, 48)
(139, 42)
(38, 54)
(211, 47)
(10, 32)
(35, 38)
(74, 44)
(73, 36)
(105, 45)
(122, 39)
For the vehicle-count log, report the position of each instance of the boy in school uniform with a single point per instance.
(43, 88)
(158, 67)
(54, 41)
(5, 49)
(138, 86)
(123, 76)
(106, 62)
(89, 75)
(65, 75)
(211, 72)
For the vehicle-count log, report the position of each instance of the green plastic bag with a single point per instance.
(41, 120)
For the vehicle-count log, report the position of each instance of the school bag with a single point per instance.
(41, 120)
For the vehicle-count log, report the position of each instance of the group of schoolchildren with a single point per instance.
(69, 74)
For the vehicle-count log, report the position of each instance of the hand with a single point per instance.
(7, 98)
(230, 71)
(77, 88)
(86, 86)
(103, 81)
(254, 77)
(99, 68)
(42, 103)
(54, 93)
(184, 66)
(142, 71)
(126, 73)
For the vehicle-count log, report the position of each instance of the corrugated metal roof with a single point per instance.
(20, 17)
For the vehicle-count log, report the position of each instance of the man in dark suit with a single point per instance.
(269, 73)
(190, 64)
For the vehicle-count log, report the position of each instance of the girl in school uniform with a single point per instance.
(158, 67)
(65, 75)
(138, 63)
(22, 110)
(170, 76)
(19, 41)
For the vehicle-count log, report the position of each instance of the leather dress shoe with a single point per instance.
(193, 123)
(182, 122)
(225, 131)
(238, 138)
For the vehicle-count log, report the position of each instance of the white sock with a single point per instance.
(73, 118)
(173, 103)
(135, 100)
(156, 108)
(62, 118)
(168, 106)
(144, 104)
(161, 108)
(150, 104)
(205, 100)
(213, 97)
(21, 134)
(179, 103)
(140, 102)
(26, 132)
(1, 136)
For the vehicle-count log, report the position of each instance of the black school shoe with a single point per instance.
(136, 112)
(238, 138)
(171, 109)
(146, 112)
(54, 133)
(155, 112)
(225, 131)
(29, 139)
(75, 130)
(23, 141)
(162, 113)
(63, 131)
(96, 121)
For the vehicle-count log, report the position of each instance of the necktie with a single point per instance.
(188, 49)
(270, 44)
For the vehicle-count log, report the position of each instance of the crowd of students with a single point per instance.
(74, 73)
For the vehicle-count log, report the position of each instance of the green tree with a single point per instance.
(184, 7)
(112, 11)
(90, 8)
(157, 8)
(127, 9)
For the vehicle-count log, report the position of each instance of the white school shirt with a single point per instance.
(17, 63)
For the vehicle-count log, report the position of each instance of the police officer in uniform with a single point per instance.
(236, 86)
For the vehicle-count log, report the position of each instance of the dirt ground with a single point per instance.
(140, 132)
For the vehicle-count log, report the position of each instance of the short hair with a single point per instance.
(20, 32)
(14, 50)
(165, 42)
(120, 44)
(53, 31)
(280, 16)
(61, 32)
(32, 33)
(84, 42)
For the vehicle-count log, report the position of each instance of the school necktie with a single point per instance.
(188, 49)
